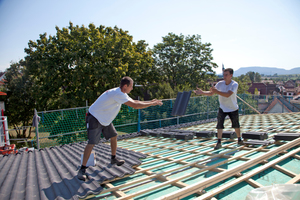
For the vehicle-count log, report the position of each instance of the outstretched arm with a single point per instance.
(136, 104)
(201, 92)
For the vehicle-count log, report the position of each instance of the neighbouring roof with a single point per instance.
(262, 87)
(281, 104)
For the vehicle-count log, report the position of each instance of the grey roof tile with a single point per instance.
(181, 103)
(51, 173)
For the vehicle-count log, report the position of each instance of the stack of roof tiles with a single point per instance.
(51, 173)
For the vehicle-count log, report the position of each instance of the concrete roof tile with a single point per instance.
(51, 173)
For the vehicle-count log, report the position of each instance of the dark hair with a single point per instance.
(125, 81)
(228, 70)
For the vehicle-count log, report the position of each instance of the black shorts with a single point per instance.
(94, 130)
(234, 117)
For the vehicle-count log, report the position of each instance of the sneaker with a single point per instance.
(117, 161)
(241, 142)
(218, 146)
(81, 174)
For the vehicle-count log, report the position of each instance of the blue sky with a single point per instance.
(242, 33)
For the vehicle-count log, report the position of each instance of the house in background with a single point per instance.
(281, 105)
(265, 88)
(261, 87)
(290, 88)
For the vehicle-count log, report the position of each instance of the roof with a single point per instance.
(289, 105)
(262, 87)
(192, 169)
(51, 173)
(173, 168)
(289, 83)
(282, 104)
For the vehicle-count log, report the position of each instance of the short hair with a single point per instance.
(228, 70)
(126, 80)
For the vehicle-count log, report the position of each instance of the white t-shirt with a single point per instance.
(107, 106)
(228, 104)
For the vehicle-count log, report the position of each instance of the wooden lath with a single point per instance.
(226, 174)
(188, 175)
(153, 146)
(140, 170)
(161, 177)
(251, 174)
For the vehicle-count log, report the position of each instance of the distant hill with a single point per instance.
(266, 71)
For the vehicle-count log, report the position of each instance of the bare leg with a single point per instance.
(220, 132)
(238, 132)
(87, 152)
(219, 145)
(113, 145)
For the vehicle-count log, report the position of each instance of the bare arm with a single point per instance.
(206, 93)
(136, 104)
(224, 94)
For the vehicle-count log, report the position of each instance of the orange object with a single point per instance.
(8, 149)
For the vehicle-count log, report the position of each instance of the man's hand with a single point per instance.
(198, 91)
(213, 89)
(156, 102)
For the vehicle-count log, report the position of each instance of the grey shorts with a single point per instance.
(95, 130)
(234, 117)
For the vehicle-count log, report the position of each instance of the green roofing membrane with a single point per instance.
(238, 191)
(270, 177)
(172, 158)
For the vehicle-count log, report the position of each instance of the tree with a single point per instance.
(251, 75)
(184, 60)
(162, 91)
(244, 83)
(257, 77)
(19, 102)
(79, 63)
(254, 76)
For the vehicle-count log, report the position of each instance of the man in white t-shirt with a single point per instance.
(227, 91)
(100, 116)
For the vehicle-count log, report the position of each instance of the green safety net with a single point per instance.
(66, 126)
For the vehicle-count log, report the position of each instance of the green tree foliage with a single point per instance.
(165, 91)
(79, 63)
(19, 102)
(162, 91)
(254, 76)
(184, 60)
(244, 83)
(257, 77)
